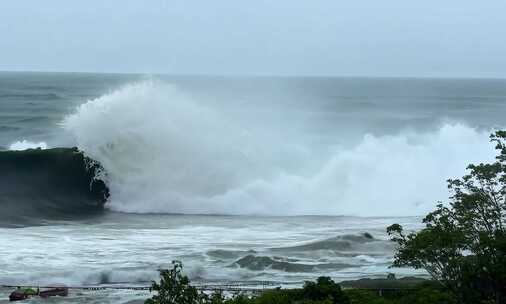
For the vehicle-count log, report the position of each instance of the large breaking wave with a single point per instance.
(166, 152)
(39, 185)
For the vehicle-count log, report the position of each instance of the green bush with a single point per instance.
(175, 288)
(463, 244)
(324, 289)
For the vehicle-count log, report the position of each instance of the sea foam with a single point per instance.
(165, 152)
(25, 145)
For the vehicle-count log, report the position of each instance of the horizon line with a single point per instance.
(264, 75)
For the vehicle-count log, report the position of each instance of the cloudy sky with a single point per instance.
(462, 38)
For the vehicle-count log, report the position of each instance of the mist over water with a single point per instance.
(165, 151)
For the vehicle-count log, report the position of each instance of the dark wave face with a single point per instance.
(55, 184)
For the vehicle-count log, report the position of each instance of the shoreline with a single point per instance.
(378, 286)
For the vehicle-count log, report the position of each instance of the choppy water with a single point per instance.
(128, 249)
(256, 156)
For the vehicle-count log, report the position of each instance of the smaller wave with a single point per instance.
(45, 96)
(8, 128)
(117, 276)
(33, 119)
(228, 254)
(25, 145)
(348, 243)
(259, 263)
(85, 277)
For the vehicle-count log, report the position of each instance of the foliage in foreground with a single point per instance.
(463, 246)
(175, 288)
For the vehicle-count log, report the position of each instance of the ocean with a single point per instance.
(257, 180)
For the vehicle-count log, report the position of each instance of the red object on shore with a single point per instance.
(23, 294)
(18, 295)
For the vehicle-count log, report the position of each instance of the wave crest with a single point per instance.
(51, 184)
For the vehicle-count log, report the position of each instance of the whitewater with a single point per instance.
(243, 179)
(164, 152)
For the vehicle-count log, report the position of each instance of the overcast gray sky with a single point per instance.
(277, 37)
